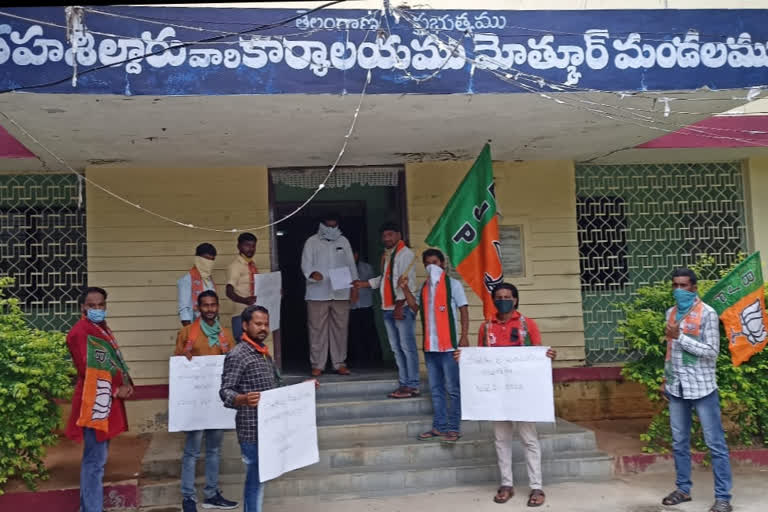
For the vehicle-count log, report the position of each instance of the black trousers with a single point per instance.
(364, 347)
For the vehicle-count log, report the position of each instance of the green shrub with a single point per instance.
(743, 390)
(35, 370)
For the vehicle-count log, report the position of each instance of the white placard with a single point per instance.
(287, 430)
(506, 384)
(341, 278)
(268, 291)
(193, 395)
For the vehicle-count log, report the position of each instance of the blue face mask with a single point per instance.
(504, 306)
(96, 315)
(684, 299)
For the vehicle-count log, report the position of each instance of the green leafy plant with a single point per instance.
(743, 389)
(35, 370)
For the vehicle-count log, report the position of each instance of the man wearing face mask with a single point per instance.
(203, 337)
(327, 309)
(511, 329)
(693, 345)
(240, 279)
(440, 302)
(98, 411)
(196, 281)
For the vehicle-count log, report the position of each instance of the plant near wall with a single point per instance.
(35, 370)
(743, 389)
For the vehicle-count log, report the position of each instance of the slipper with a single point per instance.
(430, 435)
(504, 493)
(450, 437)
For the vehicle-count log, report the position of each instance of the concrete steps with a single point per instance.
(368, 445)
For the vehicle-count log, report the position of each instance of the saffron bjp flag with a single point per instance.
(468, 231)
(739, 299)
(102, 362)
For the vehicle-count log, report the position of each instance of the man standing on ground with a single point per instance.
(195, 282)
(364, 346)
(511, 329)
(327, 309)
(240, 280)
(98, 411)
(249, 370)
(441, 301)
(397, 261)
(203, 337)
(693, 344)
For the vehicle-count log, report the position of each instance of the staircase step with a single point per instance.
(348, 408)
(163, 457)
(423, 474)
(333, 386)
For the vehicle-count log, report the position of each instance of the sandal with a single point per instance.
(721, 506)
(536, 498)
(430, 435)
(503, 494)
(401, 393)
(675, 498)
(450, 437)
(414, 391)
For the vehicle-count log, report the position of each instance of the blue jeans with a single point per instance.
(708, 411)
(92, 472)
(253, 495)
(189, 461)
(237, 328)
(443, 373)
(403, 342)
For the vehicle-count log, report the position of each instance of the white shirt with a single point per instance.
(321, 255)
(458, 299)
(403, 259)
(187, 311)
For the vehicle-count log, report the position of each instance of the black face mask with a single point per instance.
(504, 306)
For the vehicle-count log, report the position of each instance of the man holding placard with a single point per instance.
(240, 279)
(249, 370)
(511, 329)
(329, 266)
(203, 337)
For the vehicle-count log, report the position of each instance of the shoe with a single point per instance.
(721, 506)
(342, 370)
(219, 502)
(188, 505)
(316, 372)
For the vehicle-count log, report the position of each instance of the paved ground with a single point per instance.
(636, 493)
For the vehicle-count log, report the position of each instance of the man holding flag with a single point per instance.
(468, 231)
(98, 411)
(693, 345)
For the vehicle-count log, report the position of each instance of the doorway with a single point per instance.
(363, 207)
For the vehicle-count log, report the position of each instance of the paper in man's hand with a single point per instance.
(267, 289)
(341, 278)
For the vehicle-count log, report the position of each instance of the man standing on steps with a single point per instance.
(240, 279)
(511, 329)
(203, 337)
(327, 309)
(249, 370)
(195, 282)
(397, 261)
(690, 382)
(441, 301)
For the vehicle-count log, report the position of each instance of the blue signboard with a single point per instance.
(217, 51)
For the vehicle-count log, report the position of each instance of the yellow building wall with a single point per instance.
(138, 258)
(756, 191)
(541, 196)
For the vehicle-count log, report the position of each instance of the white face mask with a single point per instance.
(328, 233)
(205, 266)
(434, 272)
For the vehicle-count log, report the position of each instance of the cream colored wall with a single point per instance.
(542, 196)
(137, 258)
(756, 174)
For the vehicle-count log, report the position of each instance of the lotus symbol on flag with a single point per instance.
(752, 324)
